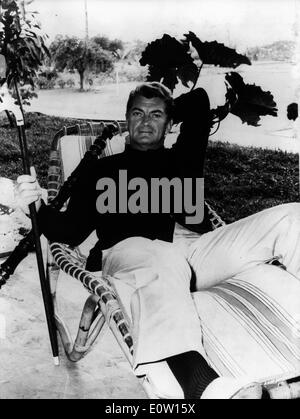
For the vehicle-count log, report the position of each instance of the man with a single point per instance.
(149, 271)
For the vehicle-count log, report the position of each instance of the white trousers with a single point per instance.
(152, 278)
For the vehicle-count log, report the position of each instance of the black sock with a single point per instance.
(192, 372)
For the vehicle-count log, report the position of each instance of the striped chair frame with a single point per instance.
(102, 306)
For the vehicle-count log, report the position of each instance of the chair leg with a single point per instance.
(53, 271)
(91, 323)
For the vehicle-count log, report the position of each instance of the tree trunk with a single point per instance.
(81, 74)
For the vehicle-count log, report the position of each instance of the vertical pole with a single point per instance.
(45, 286)
(86, 35)
(86, 21)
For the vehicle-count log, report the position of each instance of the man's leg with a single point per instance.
(152, 279)
(230, 250)
(237, 249)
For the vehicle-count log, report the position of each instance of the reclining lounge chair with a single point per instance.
(249, 327)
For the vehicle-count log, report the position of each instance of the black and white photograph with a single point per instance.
(149, 202)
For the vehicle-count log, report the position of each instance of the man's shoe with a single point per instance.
(232, 388)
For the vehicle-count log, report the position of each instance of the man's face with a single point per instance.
(148, 123)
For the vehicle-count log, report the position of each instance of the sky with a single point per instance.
(237, 23)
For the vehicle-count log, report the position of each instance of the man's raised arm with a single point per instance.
(193, 110)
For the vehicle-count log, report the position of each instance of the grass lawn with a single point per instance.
(238, 180)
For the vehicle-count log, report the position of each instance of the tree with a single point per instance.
(135, 50)
(23, 46)
(170, 61)
(73, 53)
(115, 46)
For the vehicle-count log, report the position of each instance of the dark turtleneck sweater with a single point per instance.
(184, 160)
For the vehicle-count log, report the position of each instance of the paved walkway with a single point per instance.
(26, 367)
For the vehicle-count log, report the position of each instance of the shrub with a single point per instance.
(49, 74)
(70, 83)
(43, 83)
(104, 78)
(132, 72)
(61, 83)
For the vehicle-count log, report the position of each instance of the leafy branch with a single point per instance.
(22, 44)
(171, 61)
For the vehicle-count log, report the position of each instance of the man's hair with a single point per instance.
(151, 90)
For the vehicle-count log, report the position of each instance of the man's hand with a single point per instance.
(28, 191)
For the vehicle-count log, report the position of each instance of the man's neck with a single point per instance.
(144, 149)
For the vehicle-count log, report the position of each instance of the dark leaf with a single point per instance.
(168, 60)
(170, 79)
(166, 76)
(216, 54)
(292, 111)
(155, 73)
(188, 73)
(166, 52)
(252, 102)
